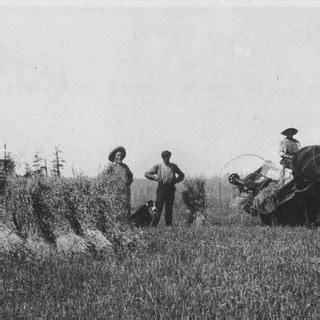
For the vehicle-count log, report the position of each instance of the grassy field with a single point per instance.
(207, 272)
(230, 267)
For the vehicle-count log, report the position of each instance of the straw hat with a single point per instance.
(289, 132)
(114, 152)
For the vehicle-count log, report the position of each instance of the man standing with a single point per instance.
(167, 174)
(117, 179)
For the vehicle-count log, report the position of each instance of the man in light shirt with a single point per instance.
(167, 174)
(288, 147)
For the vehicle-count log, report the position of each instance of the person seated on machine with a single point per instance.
(289, 146)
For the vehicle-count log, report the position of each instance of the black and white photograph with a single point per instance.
(160, 159)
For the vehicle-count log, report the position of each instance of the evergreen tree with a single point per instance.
(38, 168)
(57, 163)
(28, 171)
(10, 164)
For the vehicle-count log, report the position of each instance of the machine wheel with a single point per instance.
(233, 178)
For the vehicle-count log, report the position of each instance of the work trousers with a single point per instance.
(165, 196)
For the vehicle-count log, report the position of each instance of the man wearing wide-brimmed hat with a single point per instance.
(289, 146)
(167, 174)
(118, 180)
(116, 157)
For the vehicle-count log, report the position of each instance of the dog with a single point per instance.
(145, 215)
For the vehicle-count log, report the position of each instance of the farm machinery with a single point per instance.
(280, 195)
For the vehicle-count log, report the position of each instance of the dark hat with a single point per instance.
(289, 131)
(165, 153)
(114, 152)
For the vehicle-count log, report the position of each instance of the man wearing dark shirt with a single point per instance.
(167, 174)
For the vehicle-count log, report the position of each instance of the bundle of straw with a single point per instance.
(98, 240)
(72, 244)
(194, 197)
(11, 243)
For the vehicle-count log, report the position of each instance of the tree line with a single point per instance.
(39, 164)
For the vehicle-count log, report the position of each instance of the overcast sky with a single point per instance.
(207, 83)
